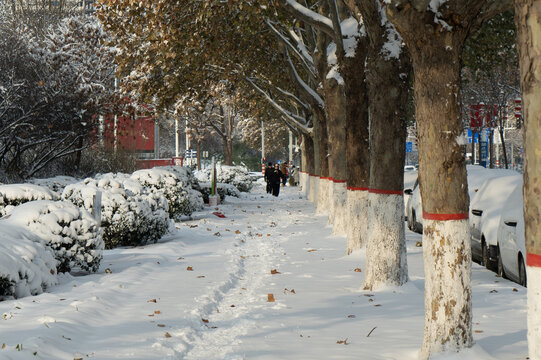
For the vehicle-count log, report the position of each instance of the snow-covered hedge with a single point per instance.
(27, 267)
(16, 194)
(130, 216)
(223, 190)
(55, 184)
(71, 232)
(235, 175)
(182, 199)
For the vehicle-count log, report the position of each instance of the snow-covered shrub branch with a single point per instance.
(234, 175)
(15, 194)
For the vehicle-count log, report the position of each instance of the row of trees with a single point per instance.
(339, 73)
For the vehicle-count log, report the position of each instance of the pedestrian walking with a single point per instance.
(284, 171)
(275, 178)
(268, 170)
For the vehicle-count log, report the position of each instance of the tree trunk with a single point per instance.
(387, 78)
(314, 176)
(228, 151)
(444, 190)
(198, 148)
(528, 18)
(335, 107)
(323, 190)
(357, 148)
(307, 162)
(435, 48)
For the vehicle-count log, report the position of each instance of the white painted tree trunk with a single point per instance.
(447, 265)
(386, 262)
(313, 189)
(340, 209)
(534, 312)
(304, 182)
(357, 217)
(323, 197)
(331, 204)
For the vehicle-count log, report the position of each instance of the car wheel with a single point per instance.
(484, 255)
(499, 270)
(521, 272)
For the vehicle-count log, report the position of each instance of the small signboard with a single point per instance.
(409, 146)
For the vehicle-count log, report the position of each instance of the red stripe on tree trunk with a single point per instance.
(385, 192)
(325, 178)
(533, 260)
(352, 188)
(338, 181)
(445, 217)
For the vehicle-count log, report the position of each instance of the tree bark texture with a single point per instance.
(357, 148)
(335, 106)
(528, 22)
(435, 48)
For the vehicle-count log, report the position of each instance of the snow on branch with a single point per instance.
(298, 121)
(304, 86)
(319, 21)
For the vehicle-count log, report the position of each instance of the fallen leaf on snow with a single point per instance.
(515, 290)
(493, 291)
(201, 276)
(351, 316)
(311, 250)
(274, 272)
(478, 331)
(206, 321)
(208, 229)
(161, 325)
(232, 306)
(152, 300)
(193, 226)
(270, 298)
(67, 338)
(189, 268)
(167, 335)
(418, 244)
(180, 258)
(357, 270)
(217, 233)
(157, 312)
(345, 341)
(237, 231)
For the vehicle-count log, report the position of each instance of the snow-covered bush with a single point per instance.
(182, 199)
(234, 175)
(55, 184)
(27, 267)
(222, 190)
(129, 216)
(71, 232)
(16, 194)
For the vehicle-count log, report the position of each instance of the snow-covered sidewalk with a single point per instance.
(268, 281)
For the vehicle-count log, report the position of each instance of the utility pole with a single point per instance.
(262, 143)
(290, 148)
(177, 139)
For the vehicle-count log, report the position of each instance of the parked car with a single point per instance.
(409, 168)
(476, 176)
(511, 242)
(485, 212)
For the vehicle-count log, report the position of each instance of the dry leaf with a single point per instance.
(206, 321)
(515, 290)
(351, 316)
(260, 235)
(157, 312)
(418, 244)
(67, 338)
(274, 272)
(189, 268)
(232, 306)
(292, 291)
(217, 233)
(62, 299)
(161, 325)
(268, 234)
(237, 231)
(167, 335)
(208, 229)
(3, 346)
(357, 270)
(201, 276)
(377, 305)
(180, 258)
(478, 331)
(193, 226)
(150, 315)
(493, 291)
(152, 300)
(312, 250)
(345, 341)
(270, 298)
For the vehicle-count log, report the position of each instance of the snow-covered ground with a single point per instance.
(268, 281)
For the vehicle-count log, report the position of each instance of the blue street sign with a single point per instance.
(409, 146)
(476, 136)
(484, 153)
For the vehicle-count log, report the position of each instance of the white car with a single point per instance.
(511, 242)
(476, 176)
(485, 212)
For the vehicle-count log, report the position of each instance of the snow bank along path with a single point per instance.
(203, 293)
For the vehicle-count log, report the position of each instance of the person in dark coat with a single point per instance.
(268, 171)
(283, 169)
(275, 178)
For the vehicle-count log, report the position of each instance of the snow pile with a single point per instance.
(222, 190)
(74, 236)
(182, 199)
(129, 216)
(14, 194)
(55, 184)
(235, 175)
(26, 266)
